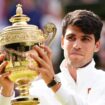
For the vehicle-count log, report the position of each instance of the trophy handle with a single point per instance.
(50, 33)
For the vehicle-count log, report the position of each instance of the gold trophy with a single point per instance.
(17, 41)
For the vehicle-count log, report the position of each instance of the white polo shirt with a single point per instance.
(89, 88)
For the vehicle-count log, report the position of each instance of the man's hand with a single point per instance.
(5, 83)
(45, 66)
(43, 58)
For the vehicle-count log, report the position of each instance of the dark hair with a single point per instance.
(87, 21)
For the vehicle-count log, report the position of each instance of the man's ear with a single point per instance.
(62, 42)
(97, 46)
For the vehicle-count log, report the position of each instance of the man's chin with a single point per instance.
(76, 65)
(76, 62)
(76, 59)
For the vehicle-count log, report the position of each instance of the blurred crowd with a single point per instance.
(43, 11)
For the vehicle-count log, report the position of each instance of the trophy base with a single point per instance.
(25, 101)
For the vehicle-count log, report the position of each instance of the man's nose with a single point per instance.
(77, 44)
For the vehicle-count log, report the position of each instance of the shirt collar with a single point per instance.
(84, 74)
(90, 65)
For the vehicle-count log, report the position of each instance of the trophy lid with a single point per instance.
(20, 31)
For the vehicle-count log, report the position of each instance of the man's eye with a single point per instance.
(70, 38)
(85, 39)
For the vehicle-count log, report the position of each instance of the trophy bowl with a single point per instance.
(16, 41)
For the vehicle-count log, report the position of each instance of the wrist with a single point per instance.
(56, 87)
(55, 83)
(7, 92)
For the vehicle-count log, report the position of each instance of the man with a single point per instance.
(80, 82)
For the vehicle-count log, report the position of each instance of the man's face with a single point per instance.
(78, 47)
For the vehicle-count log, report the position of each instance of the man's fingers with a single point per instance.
(40, 61)
(4, 75)
(3, 65)
(32, 67)
(48, 50)
(43, 52)
(2, 56)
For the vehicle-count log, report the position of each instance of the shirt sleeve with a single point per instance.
(5, 100)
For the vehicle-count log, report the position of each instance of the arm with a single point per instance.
(7, 86)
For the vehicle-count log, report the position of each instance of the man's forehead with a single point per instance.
(76, 33)
(73, 29)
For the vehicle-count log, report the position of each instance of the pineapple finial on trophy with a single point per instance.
(19, 16)
(19, 10)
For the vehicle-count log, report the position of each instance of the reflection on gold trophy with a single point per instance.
(17, 42)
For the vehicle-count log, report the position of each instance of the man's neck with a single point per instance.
(73, 70)
(73, 73)
(85, 64)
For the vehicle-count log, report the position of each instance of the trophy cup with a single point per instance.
(17, 41)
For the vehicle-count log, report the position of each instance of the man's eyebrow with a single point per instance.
(70, 34)
(87, 36)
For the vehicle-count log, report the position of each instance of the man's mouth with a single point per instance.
(76, 53)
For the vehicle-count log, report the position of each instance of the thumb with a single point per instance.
(4, 75)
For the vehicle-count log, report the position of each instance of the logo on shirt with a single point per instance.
(89, 89)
